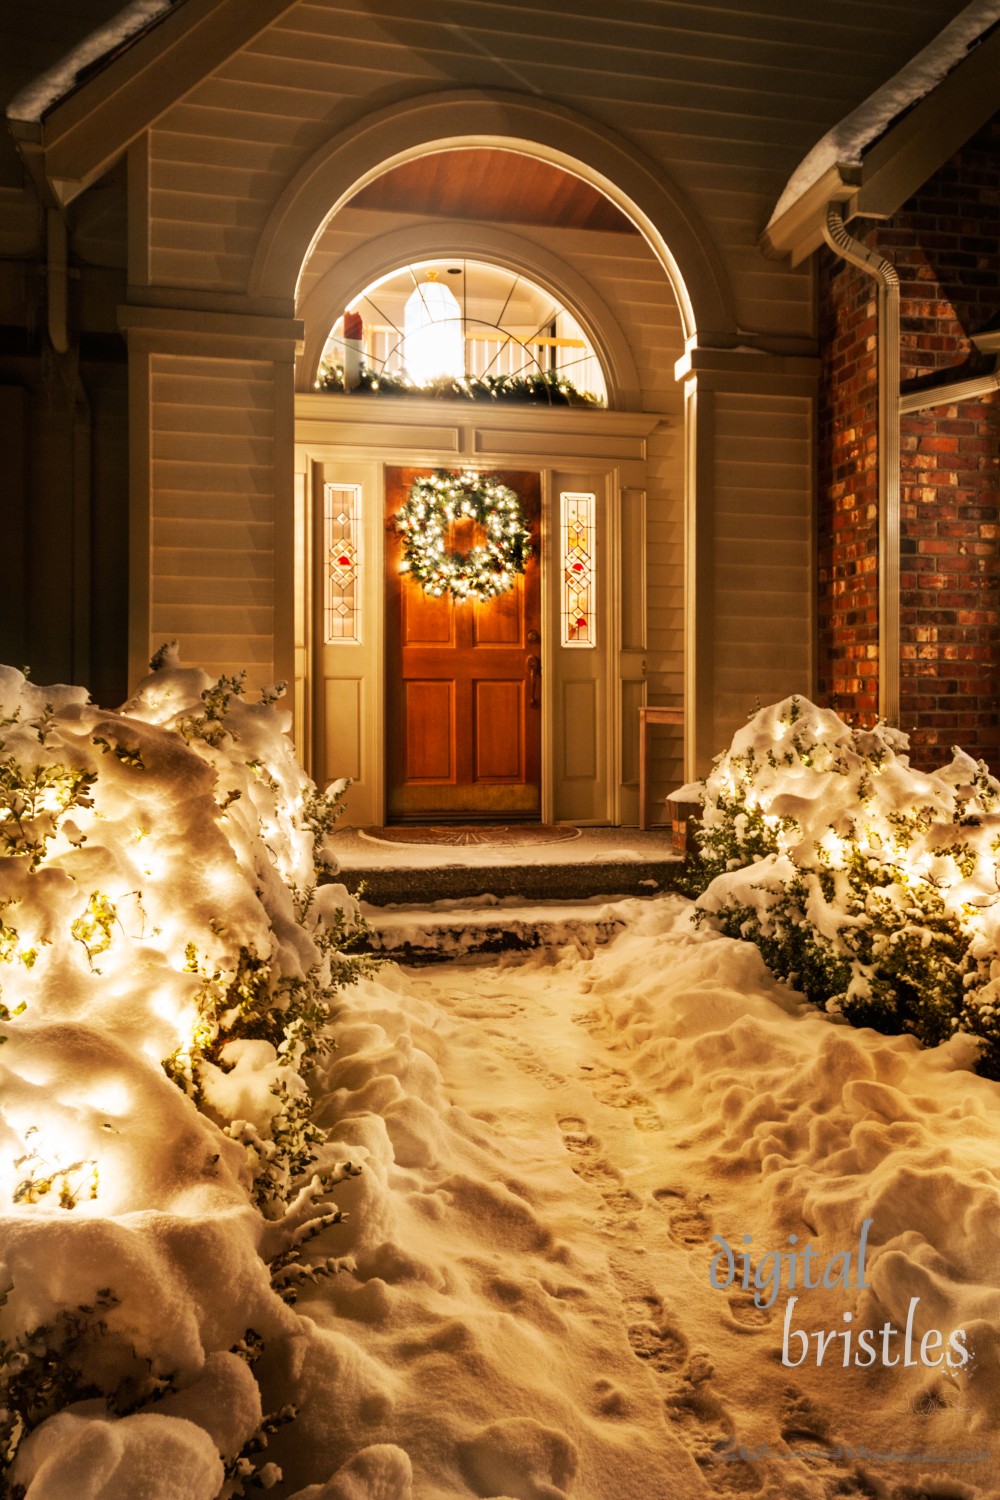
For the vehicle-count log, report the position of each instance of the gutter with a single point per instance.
(946, 395)
(884, 274)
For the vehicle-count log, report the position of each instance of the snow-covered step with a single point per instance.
(441, 931)
(397, 883)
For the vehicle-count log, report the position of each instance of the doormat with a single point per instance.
(500, 836)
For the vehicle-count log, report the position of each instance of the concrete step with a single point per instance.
(396, 884)
(429, 934)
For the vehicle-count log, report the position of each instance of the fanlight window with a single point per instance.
(462, 321)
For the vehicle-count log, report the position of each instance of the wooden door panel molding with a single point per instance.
(463, 733)
(499, 710)
(429, 737)
(501, 622)
(427, 621)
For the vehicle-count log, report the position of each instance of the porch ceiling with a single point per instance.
(499, 186)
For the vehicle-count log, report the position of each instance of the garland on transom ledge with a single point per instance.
(546, 386)
(434, 504)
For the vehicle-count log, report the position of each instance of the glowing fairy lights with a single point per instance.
(439, 502)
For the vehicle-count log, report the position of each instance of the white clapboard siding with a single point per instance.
(212, 522)
(728, 98)
(762, 555)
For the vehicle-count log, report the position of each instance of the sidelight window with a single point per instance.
(342, 562)
(578, 571)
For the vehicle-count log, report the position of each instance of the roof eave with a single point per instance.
(900, 161)
(87, 130)
(919, 143)
(799, 230)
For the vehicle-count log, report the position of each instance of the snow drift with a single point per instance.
(872, 887)
(161, 926)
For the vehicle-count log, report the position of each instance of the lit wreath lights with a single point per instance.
(433, 506)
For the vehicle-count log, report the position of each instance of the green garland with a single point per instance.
(434, 505)
(545, 387)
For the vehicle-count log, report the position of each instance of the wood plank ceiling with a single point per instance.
(500, 186)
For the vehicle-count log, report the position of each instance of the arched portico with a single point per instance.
(509, 121)
(324, 187)
(463, 119)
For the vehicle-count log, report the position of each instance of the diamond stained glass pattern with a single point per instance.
(578, 572)
(342, 548)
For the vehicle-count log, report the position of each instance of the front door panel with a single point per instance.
(463, 697)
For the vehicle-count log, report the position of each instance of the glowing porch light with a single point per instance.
(434, 342)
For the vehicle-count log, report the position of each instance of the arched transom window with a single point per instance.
(447, 320)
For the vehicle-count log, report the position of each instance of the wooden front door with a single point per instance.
(463, 686)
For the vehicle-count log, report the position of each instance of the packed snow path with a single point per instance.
(551, 1145)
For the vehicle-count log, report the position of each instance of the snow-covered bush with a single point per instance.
(161, 924)
(870, 886)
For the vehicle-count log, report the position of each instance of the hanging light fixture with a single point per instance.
(434, 336)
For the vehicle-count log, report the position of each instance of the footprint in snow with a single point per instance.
(528, 1061)
(590, 1020)
(615, 1088)
(801, 1416)
(688, 1222)
(652, 1337)
(729, 1476)
(702, 1422)
(746, 1315)
(592, 1166)
(483, 1007)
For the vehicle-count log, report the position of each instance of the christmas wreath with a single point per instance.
(435, 503)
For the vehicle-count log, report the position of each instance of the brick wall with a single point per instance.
(847, 533)
(944, 246)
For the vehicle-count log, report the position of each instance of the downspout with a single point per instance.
(57, 278)
(857, 254)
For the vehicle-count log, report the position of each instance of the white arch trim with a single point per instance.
(378, 257)
(461, 118)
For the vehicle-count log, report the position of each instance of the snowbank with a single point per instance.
(799, 1126)
(161, 926)
(873, 887)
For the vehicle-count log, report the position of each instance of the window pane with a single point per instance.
(342, 554)
(579, 621)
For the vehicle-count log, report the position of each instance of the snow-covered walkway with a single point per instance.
(550, 1145)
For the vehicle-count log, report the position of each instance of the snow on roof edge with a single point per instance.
(39, 96)
(848, 139)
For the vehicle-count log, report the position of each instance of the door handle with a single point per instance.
(534, 667)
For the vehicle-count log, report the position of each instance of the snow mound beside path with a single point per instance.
(167, 968)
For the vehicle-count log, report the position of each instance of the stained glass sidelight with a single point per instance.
(342, 551)
(579, 622)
